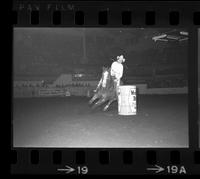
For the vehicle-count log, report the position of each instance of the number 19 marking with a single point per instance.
(82, 170)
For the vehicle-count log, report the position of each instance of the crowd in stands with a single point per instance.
(144, 72)
(167, 83)
(30, 90)
(74, 85)
(44, 85)
(29, 85)
(157, 83)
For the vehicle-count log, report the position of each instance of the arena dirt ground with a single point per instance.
(161, 121)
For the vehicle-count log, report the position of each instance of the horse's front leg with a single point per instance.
(93, 99)
(99, 102)
(109, 103)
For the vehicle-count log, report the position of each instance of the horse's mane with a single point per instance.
(110, 82)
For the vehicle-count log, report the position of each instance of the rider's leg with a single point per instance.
(117, 83)
(116, 86)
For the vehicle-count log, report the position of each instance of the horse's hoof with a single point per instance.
(105, 108)
(90, 102)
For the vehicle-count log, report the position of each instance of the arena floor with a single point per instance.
(161, 121)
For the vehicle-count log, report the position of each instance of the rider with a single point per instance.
(116, 72)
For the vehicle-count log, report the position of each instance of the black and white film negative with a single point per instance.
(105, 87)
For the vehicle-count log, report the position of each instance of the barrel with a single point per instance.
(127, 100)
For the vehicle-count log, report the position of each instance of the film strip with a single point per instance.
(121, 159)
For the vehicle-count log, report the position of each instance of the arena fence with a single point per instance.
(21, 92)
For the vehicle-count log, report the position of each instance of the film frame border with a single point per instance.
(110, 14)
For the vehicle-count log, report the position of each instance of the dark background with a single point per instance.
(199, 58)
(52, 51)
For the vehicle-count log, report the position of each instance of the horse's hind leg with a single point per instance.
(109, 103)
(98, 103)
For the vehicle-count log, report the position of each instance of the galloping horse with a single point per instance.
(106, 91)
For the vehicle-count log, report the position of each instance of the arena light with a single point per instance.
(165, 40)
(172, 37)
(79, 75)
(183, 33)
(159, 37)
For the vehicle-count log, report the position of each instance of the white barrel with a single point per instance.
(127, 100)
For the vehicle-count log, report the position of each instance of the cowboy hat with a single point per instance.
(121, 57)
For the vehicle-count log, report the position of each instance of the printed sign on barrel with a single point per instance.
(127, 100)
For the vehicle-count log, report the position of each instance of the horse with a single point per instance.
(106, 91)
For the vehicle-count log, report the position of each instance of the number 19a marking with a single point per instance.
(176, 170)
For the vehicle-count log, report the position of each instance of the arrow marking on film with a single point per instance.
(68, 169)
(157, 168)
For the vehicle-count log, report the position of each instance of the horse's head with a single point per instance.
(104, 69)
(105, 77)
